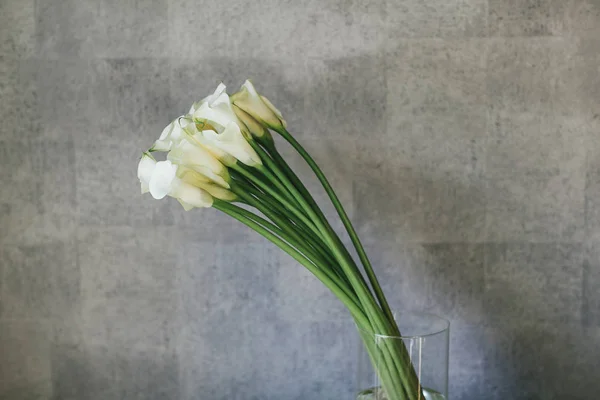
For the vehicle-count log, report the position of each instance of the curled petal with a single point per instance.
(170, 136)
(210, 99)
(252, 125)
(218, 191)
(258, 106)
(193, 156)
(200, 175)
(186, 206)
(162, 179)
(145, 168)
(233, 142)
(202, 181)
(275, 110)
(216, 115)
(191, 195)
(193, 108)
(195, 136)
(218, 91)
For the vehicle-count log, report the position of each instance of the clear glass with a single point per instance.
(424, 340)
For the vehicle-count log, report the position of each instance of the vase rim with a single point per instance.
(445, 325)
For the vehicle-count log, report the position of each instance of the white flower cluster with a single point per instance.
(215, 134)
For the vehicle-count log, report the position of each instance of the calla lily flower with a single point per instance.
(197, 158)
(253, 126)
(196, 137)
(218, 129)
(259, 107)
(205, 182)
(233, 142)
(144, 172)
(170, 136)
(210, 98)
(164, 181)
(215, 112)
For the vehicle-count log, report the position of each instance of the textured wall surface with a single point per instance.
(463, 136)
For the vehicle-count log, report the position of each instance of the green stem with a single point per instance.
(354, 275)
(233, 211)
(287, 232)
(392, 387)
(386, 325)
(278, 197)
(270, 203)
(255, 222)
(269, 145)
(277, 215)
(269, 179)
(347, 224)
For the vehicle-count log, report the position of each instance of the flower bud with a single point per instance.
(254, 127)
(259, 107)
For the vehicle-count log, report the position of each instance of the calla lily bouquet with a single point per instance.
(221, 154)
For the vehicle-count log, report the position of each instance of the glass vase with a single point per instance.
(412, 366)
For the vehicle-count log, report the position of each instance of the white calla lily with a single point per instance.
(216, 114)
(144, 172)
(203, 174)
(202, 181)
(258, 106)
(216, 127)
(195, 136)
(170, 136)
(197, 158)
(208, 99)
(233, 142)
(164, 181)
(252, 125)
(162, 178)
(193, 108)
(218, 92)
(190, 195)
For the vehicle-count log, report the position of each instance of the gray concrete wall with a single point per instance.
(462, 135)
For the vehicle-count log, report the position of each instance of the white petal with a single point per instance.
(165, 133)
(233, 142)
(250, 88)
(199, 176)
(161, 145)
(217, 191)
(274, 109)
(162, 179)
(251, 102)
(186, 206)
(219, 114)
(169, 137)
(187, 125)
(145, 168)
(194, 107)
(193, 155)
(219, 154)
(190, 194)
(191, 176)
(252, 125)
(208, 99)
(218, 91)
(208, 174)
